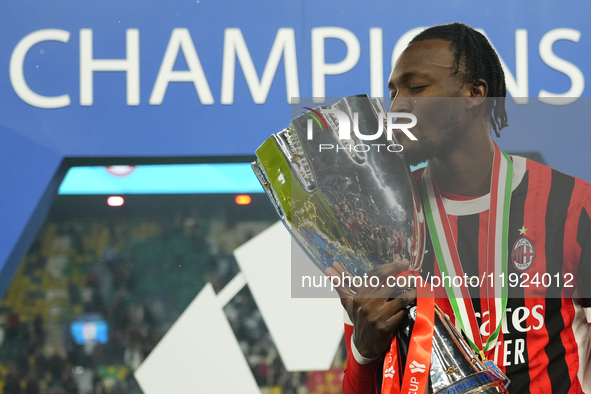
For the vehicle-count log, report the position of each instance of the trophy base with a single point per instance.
(485, 382)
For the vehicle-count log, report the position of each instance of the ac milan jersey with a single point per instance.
(545, 337)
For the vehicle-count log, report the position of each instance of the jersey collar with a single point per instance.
(482, 204)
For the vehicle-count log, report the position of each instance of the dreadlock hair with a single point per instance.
(476, 59)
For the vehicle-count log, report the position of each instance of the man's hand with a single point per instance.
(374, 317)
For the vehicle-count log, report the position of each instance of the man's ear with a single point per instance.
(478, 93)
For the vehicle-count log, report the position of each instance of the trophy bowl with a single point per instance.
(347, 200)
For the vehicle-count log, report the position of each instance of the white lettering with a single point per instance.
(181, 39)
(319, 284)
(320, 68)
(517, 320)
(345, 125)
(392, 117)
(343, 119)
(539, 317)
(17, 75)
(364, 136)
(396, 148)
(355, 281)
(573, 72)
(235, 46)
(372, 283)
(504, 322)
(376, 62)
(506, 352)
(484, 331)
(131, 65)
(519, 348)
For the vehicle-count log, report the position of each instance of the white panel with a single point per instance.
(306, 331)
(199, 354)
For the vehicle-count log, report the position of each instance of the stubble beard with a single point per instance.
(426, 148)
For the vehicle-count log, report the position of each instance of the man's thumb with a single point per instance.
(337, 284)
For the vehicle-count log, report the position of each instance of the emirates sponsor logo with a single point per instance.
(417, 367)
(521, 319)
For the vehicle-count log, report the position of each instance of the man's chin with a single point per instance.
(413, 157)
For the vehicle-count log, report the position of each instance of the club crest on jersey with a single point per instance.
(523, 253)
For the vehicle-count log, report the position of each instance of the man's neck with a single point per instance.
(467, 170)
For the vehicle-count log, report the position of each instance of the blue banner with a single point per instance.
(108, 79)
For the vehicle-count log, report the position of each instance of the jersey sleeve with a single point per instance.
(359, 378)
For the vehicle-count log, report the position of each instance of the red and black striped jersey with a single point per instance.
(545, 341)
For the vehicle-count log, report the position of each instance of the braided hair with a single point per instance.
(476, 59)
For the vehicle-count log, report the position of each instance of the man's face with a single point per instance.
(421, 82)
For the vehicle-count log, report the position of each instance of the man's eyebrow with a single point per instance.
(406, 77)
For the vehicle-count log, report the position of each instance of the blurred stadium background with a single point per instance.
(134, 268)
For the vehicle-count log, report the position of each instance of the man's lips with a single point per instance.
(399, 135)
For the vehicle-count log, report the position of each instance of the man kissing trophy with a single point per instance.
(341, 186)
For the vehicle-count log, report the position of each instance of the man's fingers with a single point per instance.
(395, 321)
(338, 267)
(331, 272)
(336, 283)
(390, 308)
(383, 271)
(343, 274)
(386, 286)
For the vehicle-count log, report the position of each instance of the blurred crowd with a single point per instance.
(137, 276)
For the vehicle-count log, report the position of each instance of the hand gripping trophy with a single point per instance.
(349, 200)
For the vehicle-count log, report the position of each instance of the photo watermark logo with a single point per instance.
(344, 129)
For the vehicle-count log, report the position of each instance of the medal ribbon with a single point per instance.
(448, 259)
(418, 360)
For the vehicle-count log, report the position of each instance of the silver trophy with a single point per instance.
(345, 193)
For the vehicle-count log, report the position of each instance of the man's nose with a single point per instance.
(401, 104)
